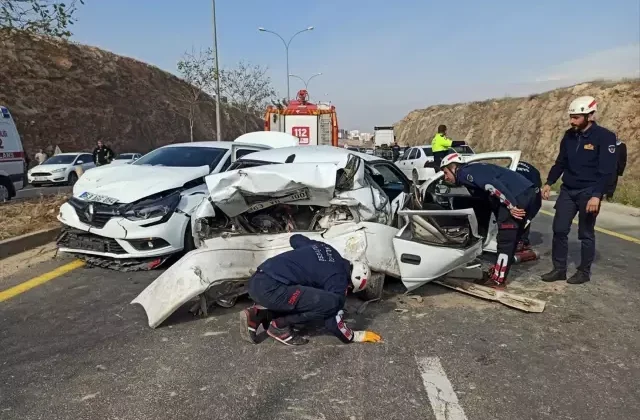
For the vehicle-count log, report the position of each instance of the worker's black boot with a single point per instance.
(285, 335)
(250, 320)
(554, 275)
(578, 278)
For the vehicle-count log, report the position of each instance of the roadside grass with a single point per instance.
(26, 216)
(627, 192)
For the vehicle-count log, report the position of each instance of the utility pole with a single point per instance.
(217, 75)
(286, 46)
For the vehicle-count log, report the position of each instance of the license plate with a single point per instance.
(87, 244)
(296, 196)
(39, 178)
(87, 196)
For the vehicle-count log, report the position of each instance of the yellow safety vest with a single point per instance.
(440, 143)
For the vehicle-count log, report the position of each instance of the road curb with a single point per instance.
(13, 246)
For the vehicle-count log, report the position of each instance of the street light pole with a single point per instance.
(286, 46)
(217, 75)
(306, 83)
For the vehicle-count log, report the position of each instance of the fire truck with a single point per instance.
(312, 124)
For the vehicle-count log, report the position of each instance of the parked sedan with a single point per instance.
(125, 158)
(418, 163)
(60, 169)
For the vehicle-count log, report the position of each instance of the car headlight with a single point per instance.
(57, 170)
(152, 207)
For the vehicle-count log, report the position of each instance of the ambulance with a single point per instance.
(12, 157)
(313, 124)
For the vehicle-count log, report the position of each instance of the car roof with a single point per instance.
(309, 154)
(72, 153)
(211, 144)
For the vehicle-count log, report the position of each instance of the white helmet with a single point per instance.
(359, 275)
(451, 158)
(583, 105)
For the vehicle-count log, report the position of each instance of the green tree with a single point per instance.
(45, 17)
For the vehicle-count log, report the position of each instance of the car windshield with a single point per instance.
(465, 150)
(124, 156)
(183, 156)
(60, 160)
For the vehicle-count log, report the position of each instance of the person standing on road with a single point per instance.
(102, 155)
(396, 151)
(586, 161)
(621, 164)
(306, 284)
(513, 202)
(533, 175)
(440, 146)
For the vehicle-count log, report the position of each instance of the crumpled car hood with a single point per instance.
(129, 183)
(247, 190)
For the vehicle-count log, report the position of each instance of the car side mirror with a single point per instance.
(79, 162)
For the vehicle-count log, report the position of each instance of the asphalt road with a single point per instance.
(74, 348)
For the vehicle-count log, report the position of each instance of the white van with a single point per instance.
(12, 157)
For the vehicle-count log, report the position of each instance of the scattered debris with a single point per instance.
(213, 333)
(401, 311)
(89, 397)
(418, 298)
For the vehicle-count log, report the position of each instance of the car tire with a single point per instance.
(73, 178)
(5, 190)
(374, 288)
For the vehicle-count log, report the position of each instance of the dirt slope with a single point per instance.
(533, 124)
(67, 94)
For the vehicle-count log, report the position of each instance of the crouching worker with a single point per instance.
(304, 285)
(513, 202)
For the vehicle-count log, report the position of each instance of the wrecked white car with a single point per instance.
(362, 205)
(134, 217)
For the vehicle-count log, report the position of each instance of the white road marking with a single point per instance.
(443, 398)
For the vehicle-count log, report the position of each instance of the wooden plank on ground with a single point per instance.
(509, 299)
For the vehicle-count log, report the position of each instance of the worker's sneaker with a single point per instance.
(250, 320)
(554, 275)
(285, 335)
(578, 278)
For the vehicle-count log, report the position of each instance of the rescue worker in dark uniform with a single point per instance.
(513, 201)
(586, 161)
(533, 175)
(306, 284)
(621, 164)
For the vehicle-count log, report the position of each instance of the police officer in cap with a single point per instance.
(587, 161)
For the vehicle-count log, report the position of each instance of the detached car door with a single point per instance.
(432, 243)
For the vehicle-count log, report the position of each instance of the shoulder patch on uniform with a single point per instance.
(469, 178)
(589, 146)
(612, 148)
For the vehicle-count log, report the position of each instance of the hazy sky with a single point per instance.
(382, 59)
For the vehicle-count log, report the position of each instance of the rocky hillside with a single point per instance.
(70, 95)
(532, 124)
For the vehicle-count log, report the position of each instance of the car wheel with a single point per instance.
(73, 178)
(5, 194)
(374, 288)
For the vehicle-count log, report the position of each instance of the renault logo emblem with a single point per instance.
(89, 212)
